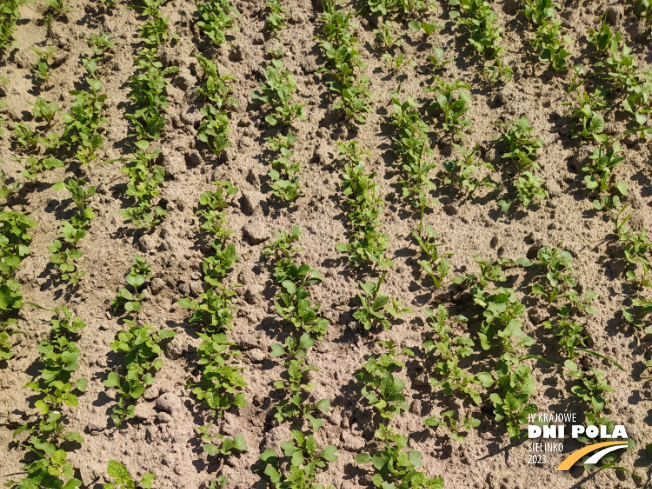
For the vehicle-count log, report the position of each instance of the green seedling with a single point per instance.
(452, 101)
(599, 177)
(295, 403)
(7, 188)
(102, 44)
(436, 267)
(385, 6)
(284, 174)
(394, 466)
(58, 358)
(461, 172)
(387, 36)
(9, 14)
(380, 387)
(44, 110)
(439, 59)
(141, 347)
(338, 45)
(501, 326)
(217, 18)
(571, 335)
(145, 179)
(298, 466)
(635, 248)
(412, 145)
(213, 204)
(592, 388)
(42, 69)
(521, 146)
(276, 19)
(50, 469)
(367, 244)
(131, 300)
(455, 427)
(511, 405)
(558, 267)
(480, 20)
(375, 308)
(448, 351)
(33, 166)
(276, 93)
(426, 27)
(14, 241)
(25, 136)
(587, 122)
(221, 445)
(219, 382)
(122, 479)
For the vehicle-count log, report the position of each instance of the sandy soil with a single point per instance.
(163, 438)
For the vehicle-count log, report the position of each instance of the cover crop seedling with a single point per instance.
(452, 101)
(140, 346)
(394, 465)
(375, 308)
(217, 16)
(382, 389)
(298, 466)
(367, 243)
(131, 300)
(338, 45)
(276, 93)
(448, 352)
(122, 479)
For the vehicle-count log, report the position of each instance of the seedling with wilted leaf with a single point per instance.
(394, 466)
(376, 308)
(122, 479)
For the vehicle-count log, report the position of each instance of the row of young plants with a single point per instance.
(148, 93)
(302, 456)
(48, 439)
(220, 383)
(82, 124)
(15, 239)
(216, 18)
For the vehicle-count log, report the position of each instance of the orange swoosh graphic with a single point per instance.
(575, 456)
